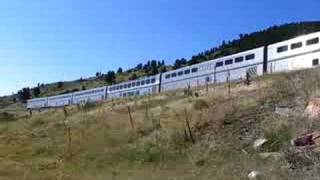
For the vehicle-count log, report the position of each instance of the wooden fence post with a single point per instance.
(189, 128)
(130, 118)
(69, 142)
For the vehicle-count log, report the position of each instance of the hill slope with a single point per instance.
(99, 141)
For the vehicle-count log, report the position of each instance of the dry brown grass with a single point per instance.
(98, 142)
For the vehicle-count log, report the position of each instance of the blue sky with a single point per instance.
(56, 40)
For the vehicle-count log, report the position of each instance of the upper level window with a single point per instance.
(133, 84)
(250, 57)
(118, 87)
(125, 86)
(173, 74)
(194, 70)
(153, 80)
(282, 49)
(167, 76)
(219, 64)
(121, 86)
(296, 45)
(148, 81)
(138, 83)
(312, 41)
(238, 59)
(227, 62)
(143, 82)
(187, 71)
(129, 85)
(180, 73)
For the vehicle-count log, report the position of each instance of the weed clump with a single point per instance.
(150, 153)
(6, 117)
(200, 104)
(277, 139)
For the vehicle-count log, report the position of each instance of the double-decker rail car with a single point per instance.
(91, 95)
(37, 103)
(298, 53)
(232, 67)
(139, 87)
(60, 100)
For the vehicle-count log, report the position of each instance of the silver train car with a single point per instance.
(91, 95)
(297, 53)
(60, 100)
(234, 67)
(140, 87)
(37, 103)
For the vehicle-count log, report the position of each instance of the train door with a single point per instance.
(154, 89)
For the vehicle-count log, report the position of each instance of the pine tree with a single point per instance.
(119, 71)
(36, 91)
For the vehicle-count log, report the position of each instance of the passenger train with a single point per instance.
(297, 53)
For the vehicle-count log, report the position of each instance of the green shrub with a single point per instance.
(277, 139)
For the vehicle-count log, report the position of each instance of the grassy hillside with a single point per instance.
(99, 141)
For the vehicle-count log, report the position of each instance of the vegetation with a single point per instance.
(24, 94)
(172, 136)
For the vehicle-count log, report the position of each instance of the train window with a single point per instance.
(124, 94)
(153, 80)
(125, 86)
(137, 93)
(173, 74)
(296, 45)
(143, 82)
(238, 59)
(219, 64)
(118, 87)
(282, 49)
(194, 70)
(167, 76)
(180, 73)
(138, 83)
(148, 81)
(227, 62)
(315, 62)
(129, 85)
(187, 71)
(133, 84)
(250, 57)
(121, 86)
(312, 41)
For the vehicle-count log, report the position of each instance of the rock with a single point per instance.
(254, 174)
(259, 142)
(283, 111)
(306, 140)
(313, 109)
(311, 139)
